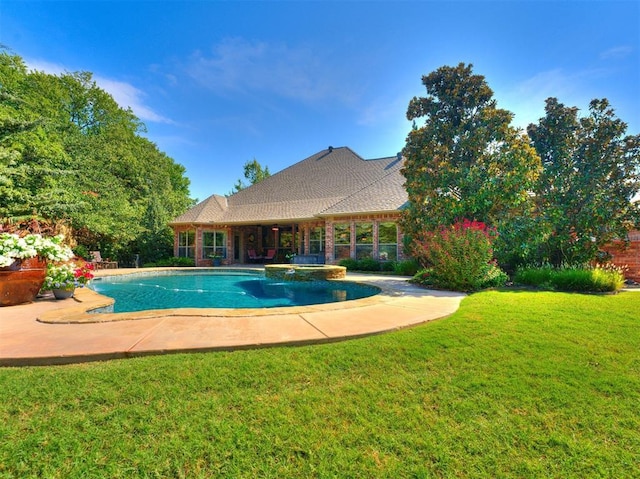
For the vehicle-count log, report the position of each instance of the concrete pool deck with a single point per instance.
(50, 331)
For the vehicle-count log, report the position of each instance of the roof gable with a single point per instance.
(332, 181)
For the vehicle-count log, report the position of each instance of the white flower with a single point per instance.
(14, 247)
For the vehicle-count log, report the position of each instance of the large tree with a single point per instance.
(253, 172)
(69, 152)
(466, 161)
(590, 175)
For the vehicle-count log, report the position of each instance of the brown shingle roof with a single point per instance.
(333, 181)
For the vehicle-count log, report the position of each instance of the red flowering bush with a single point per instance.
(459, 257)
(83, 273)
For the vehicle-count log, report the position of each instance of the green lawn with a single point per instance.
(515, 384)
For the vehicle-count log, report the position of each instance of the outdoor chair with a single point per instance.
(271, 253)
(251, 254)
(96, 260)
(99, 263)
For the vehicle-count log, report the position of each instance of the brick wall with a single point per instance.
(629, 256)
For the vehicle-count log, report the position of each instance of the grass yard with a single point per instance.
(515, 384)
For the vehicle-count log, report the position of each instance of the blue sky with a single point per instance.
(221, 83)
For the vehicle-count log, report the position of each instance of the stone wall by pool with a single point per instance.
(294, 272)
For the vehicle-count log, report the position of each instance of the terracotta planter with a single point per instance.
(21, 282)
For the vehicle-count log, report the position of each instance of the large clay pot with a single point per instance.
(21, 282)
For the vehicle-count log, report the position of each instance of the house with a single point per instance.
(329, 206)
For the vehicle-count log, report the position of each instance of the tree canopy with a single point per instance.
(253, 172)
(69, 153)
(590, 175)
(466, 161)
(557, 195)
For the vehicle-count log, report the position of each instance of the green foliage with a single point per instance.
(81, 251)
(458, 258)
(601, 278)
(349, 263)
(590, 174)
(466, 161)
(407, 267)
(369, 264)
(388, 266)
(253, 172)
(69, 152)
(170, 262)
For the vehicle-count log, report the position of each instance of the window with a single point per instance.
(364, 240)
(286, 239)
(387, 241)
(187, 244)
(316, 240)
(214, 242)
(341, 240)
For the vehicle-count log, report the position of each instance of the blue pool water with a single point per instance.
(209, 289)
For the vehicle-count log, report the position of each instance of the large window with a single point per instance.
(364, 240)
(341, 240)
(187, 244)
(387, 241)
(214, 242)
(316, 240)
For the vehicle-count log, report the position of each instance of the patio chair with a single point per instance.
(251, 254)
(99, 263)
(271, 253)
(96, 259)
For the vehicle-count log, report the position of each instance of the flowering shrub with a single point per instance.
(83, 273)
(459, 257)
(67, 275)
(14, 247)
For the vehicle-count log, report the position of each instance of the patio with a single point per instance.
(26, 340)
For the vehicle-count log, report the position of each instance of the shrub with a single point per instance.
(368, 264)
(407, 267)
(388, 266)
(81, 251)
(173, 261)
(599, 278)
(459, 257)
(349, 263)
(494, 279)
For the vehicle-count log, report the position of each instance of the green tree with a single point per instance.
(590, 174)
(33, 160)
(254, 173)
(69, 152)
(466, 161)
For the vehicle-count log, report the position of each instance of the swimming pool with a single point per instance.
(220, 289)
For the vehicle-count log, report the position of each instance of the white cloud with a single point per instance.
(237, 65)
(616, 53)
(128, 96)
(125, 94)
(44, 66)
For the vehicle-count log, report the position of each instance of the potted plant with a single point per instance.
(63, 278)
(216, 259)
(23, 260)
(14, 249)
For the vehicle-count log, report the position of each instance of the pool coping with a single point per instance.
(50, 332)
